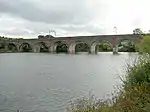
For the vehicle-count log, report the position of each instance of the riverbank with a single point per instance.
(134, 96)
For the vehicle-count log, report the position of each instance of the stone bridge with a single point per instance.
(71, 42)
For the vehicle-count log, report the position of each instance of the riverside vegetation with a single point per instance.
(133, 96)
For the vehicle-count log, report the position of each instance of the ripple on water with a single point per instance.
(46, 83)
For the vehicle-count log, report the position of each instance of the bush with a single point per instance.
(139, 73)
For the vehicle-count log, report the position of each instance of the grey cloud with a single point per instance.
(66, 17)
(72, 29)
(84, 28)
(49, 11)
(17, 32)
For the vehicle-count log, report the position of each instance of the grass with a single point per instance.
(133, 97)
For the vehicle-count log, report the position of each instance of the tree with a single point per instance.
(45, 37)
(48, 36)
(40, 36)
(137, 31)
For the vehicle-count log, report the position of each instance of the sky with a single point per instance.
(30, 18)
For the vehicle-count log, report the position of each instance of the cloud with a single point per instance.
(28, 18)
(18, 27)
(51, 11)
(67, 17)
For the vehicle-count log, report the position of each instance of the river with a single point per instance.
(42, 82)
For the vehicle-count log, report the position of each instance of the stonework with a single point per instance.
(71, 42)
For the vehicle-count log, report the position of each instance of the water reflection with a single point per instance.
(47, 82)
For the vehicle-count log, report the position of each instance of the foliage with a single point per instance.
(2, 45)
(104, 47)
(133, 99)
(40, 36)
(82, 47)
(45, 37)
(127, 46)
(144, 45)
(137, 31)
(135, 96)
(90, 104)
(2, 38)
(62, 48)
(140, 72)
(12, 47)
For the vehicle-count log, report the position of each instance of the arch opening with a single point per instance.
(82, 47)
(25, 47)
(62, 48)
(43, 47)
(104, 46)
(126, 46)
(12, 47)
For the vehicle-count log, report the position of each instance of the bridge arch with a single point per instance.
(80, 46)
(41, 47)
(12, 47)
(25, 47)
(126, 45)
(61, 47)
(100, 46)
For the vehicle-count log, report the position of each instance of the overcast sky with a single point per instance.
(29, 18)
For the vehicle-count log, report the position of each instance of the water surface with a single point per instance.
(34, 82)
